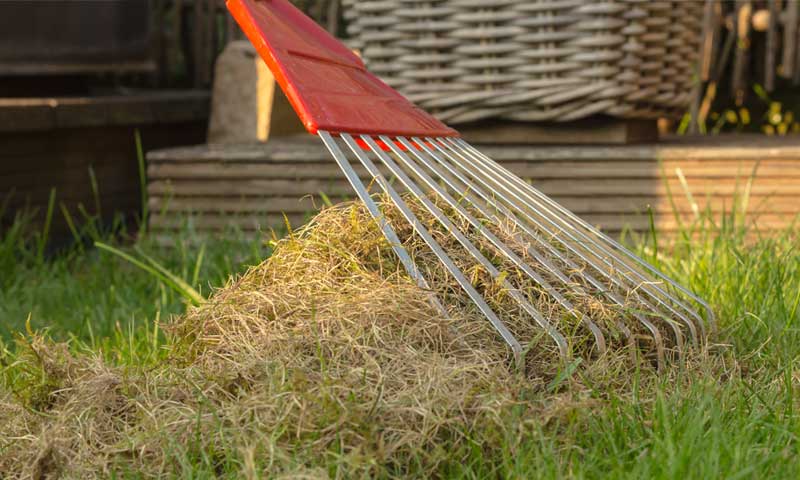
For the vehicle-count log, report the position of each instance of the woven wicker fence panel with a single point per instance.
(532, 60)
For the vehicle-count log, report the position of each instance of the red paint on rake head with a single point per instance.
(327, 84)
(386, 148)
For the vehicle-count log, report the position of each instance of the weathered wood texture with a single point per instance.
(595, 130)
(59, 144)
(252, 186)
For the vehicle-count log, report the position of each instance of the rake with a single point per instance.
(362, 121)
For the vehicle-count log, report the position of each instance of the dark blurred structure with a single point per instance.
(78, 79)
(56, 37)
(749, 69)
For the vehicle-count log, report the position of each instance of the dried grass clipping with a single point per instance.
(326, 353)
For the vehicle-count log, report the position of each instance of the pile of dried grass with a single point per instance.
(324, 353)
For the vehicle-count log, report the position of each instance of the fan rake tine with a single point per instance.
(513, 292)
(580, 244)
(513, 186)
(506, 193)
(564, 217)
(496, 242)
(451, 267)
(374, 211)
(611, 242)
(605, 291)
(469, 187)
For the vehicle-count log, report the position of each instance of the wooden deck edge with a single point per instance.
(41, 114)
(613, 187)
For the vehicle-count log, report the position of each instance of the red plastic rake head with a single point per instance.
(327, 84)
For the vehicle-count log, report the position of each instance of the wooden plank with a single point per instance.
(668, 223)
(741, 60)
(158, 47)
(265, 205)
(308, 149)
(612, 186)
(70, 167)
(24, 114)
(771, 48)
(304, 149)
(46, 152)
(177, 35)
(789, 152)
(19, 115)
(265, 222)
(109, 201)
(70, 191)
(727, 165)
(611, 204)
(77, 68)
(590, 131)
(574, 187)
(160, 222)
(198, 42)
(210, 47)
(720, 147)
(790, 28)
(250, 187)
(539, 170)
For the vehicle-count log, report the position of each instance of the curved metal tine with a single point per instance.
(513, 292)
(491, 168)
(614, 297)
(565, 217)
(374, 211)
(476, 297)
(576, 248)
(645, 286)
(468, 187)
(491, 237)
(614, 244)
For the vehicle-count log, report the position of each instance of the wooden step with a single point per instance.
(613, 187)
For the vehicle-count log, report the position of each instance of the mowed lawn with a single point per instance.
(737, 418)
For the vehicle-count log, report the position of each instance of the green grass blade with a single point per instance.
(186, 290)
(48, 220)
(76, 236)
(155, 269)
(95, 192)
(140, 160)
(198, 264)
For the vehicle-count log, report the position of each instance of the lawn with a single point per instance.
(733, 414)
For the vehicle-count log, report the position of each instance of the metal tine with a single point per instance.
(513, 292)
(489, 169)
(420, 229)
(654, 331)
(574, 248)
(374, 211)
(634, 289)
(611, 242)
(567, 215)
(467, 187)
(601, 288)
(510, 254)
